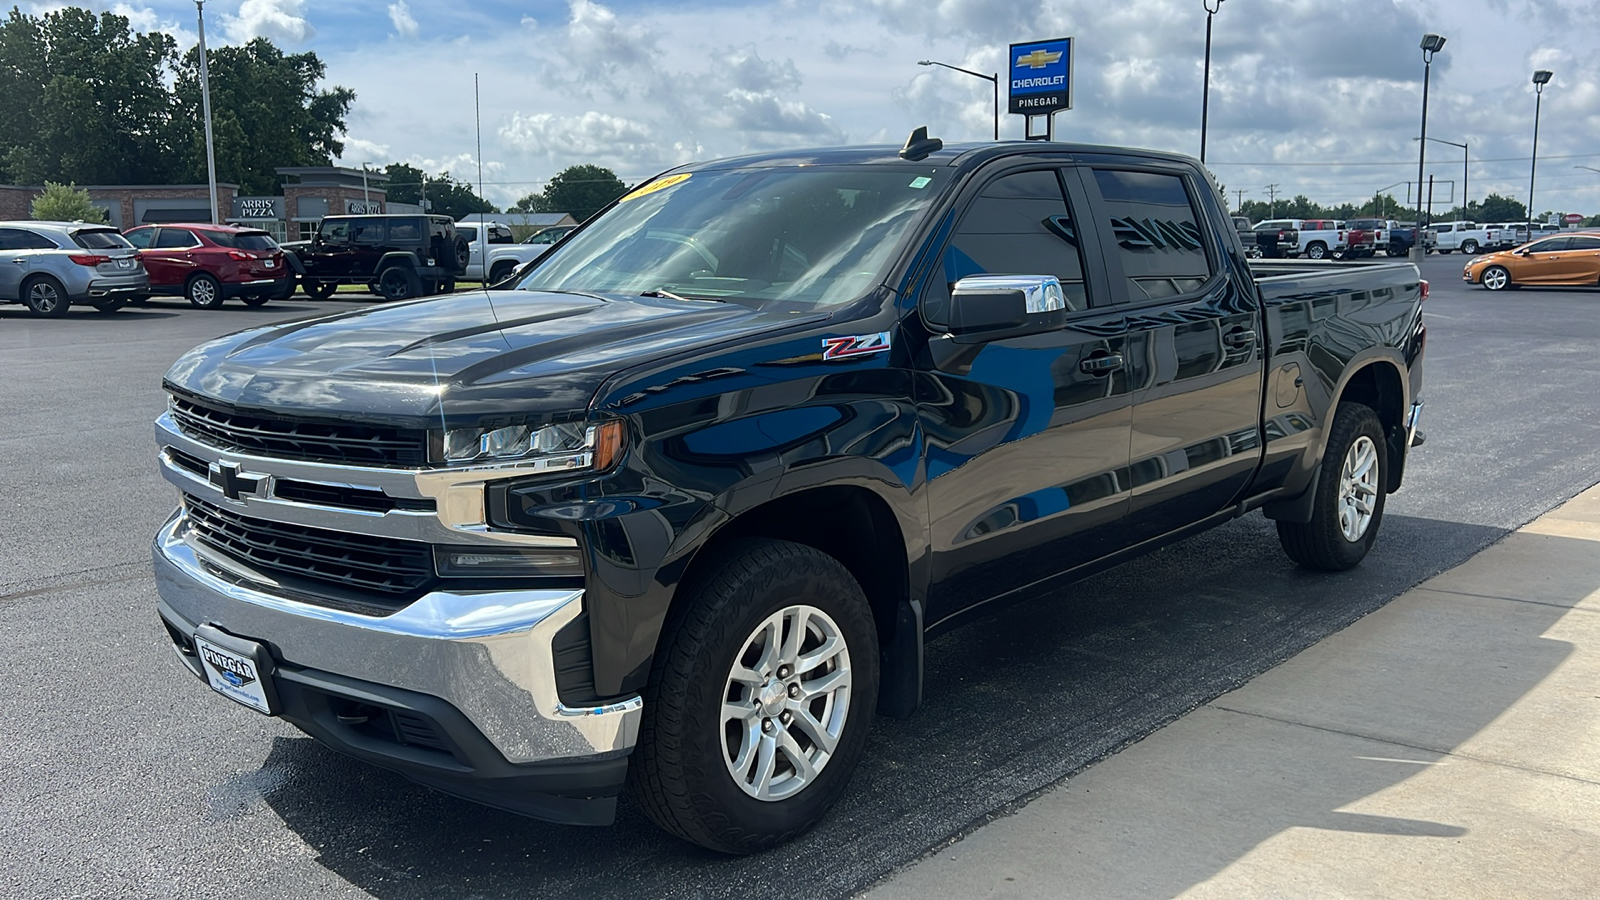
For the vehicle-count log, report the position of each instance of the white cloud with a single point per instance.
(400, 16)
(280, 20)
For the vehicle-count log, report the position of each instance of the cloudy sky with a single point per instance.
(1320, 97)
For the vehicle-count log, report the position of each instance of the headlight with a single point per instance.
(568, 446)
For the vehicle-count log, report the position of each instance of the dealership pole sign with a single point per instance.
(1041, 81)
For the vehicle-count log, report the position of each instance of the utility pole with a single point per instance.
(1239, 204)
(1272, 192)
(205, 103)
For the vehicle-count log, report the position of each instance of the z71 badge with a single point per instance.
(854, 345)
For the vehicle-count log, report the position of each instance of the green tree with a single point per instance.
(267, 110)
(445, 195)
(66, 203)
(580, 191)
(1496, 208)
(86, 99)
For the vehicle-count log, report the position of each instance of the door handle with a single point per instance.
(1101, 365)
(1239, 337)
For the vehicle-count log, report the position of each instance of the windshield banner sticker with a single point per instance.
(854, 345)
(660, 184)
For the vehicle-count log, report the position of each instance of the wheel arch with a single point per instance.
(1380, 384)
(861, 528)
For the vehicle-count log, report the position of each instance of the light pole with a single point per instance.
(205, 103)
(366, 197)
(1431, 44)
(1205, 93)
(992, 79)
(1465, 162)
(1540, 79)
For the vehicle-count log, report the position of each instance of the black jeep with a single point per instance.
(395, 256)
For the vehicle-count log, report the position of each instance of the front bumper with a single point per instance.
(457, 690)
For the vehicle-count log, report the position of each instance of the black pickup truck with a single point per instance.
(680, 509)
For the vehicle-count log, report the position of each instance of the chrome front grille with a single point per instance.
(315, 440)
(353, 562)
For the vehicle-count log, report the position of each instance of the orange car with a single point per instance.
(1572, 258)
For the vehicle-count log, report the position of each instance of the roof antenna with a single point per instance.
(919, 145)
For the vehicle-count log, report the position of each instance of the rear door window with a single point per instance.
(246, 240)
(23, 239)
(1019, 224)
(1584, 243)
(1156, 231)
(367, 231)
(176, 239)
(408, 230)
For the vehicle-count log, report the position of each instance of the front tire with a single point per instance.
(1348, 507)
(204, 291)
(1496, 278)
(319, 290)
(759, 700)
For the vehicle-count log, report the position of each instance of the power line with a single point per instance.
(1398, 163)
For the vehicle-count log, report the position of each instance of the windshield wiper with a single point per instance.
(668, 295)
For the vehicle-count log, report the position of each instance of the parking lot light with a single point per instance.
(992, 79)
(1541, 78)
(1212, 6)
(1431, 44)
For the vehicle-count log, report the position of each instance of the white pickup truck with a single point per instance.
(1319, 238)
(1468, 237)
(505, 259)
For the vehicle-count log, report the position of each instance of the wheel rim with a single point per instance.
(393, 284)
(785, 703)
(1495, 279)
(44, 297)
(1358, 489)
(203, 292)
(1315, 252)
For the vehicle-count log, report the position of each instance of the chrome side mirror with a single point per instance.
(992, 307)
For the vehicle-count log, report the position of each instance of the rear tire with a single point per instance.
(1316, 250)
(204, 291)
(399, 283)
(733, 751)
(44, 296)
(1470, 248)
(1350, 493)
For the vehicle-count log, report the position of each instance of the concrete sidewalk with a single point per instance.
(1448, 745)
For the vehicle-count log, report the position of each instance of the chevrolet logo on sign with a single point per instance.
(1038, 59)
(1041, 77)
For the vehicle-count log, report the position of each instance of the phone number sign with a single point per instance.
(1041, 76)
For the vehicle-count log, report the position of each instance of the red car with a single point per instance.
(210, 263)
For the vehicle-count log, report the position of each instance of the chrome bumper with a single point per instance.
(488, 654)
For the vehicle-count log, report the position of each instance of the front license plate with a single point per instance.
(238, 672)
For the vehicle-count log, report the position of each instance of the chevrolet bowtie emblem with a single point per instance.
(1038, 59)
(227, 478)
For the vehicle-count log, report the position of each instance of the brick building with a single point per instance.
(127, 205)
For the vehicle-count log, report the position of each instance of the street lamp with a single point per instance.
(992, 79)
(366, 198)
(205, 103)
(1205, 94)
(1590, 168)
(1465, 162)
(1540, 79)
(1431, 44)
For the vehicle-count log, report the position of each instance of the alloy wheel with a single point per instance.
(43, 298)
(785, 703)
(1358, 488)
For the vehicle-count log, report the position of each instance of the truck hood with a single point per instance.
(464, 360)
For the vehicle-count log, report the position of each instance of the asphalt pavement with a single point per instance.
(126, 778)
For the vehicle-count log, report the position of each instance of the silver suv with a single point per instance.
(48, 266)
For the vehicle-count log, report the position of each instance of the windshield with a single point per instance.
(810, 236)
(108, 239)
(246, 240)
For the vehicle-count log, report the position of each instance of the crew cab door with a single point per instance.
(170, 258)
(1027, 437)
(1195, 351)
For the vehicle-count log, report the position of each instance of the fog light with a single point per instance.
(511, 562)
